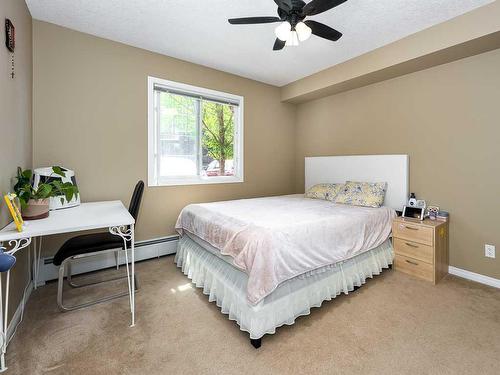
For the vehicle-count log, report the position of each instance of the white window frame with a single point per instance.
(153, 178)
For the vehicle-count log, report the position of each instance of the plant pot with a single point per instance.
(36, 209)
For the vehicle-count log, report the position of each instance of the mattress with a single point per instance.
(276, 239)
(226, 285)
(211, 249)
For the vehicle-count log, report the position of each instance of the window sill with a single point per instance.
(197, 181)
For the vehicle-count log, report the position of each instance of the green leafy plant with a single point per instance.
(54, 187)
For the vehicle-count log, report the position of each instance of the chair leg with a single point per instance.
(75, 285)
(69, 275)
(60, 287)
(72, 284)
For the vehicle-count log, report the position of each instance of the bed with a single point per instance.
(267, 261)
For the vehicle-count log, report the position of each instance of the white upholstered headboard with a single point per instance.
(393, 169)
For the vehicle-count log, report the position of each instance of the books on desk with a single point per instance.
(14, 211)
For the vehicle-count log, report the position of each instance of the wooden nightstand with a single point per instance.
(421, 248)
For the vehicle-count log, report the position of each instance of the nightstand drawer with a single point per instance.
(415, 250)
(414, 267)
(413, 232)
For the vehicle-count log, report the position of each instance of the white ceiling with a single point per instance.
(198, 31)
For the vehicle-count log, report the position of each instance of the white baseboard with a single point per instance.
(16, 318)
(143, 250)
(474, 276)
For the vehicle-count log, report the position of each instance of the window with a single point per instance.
(195, 135)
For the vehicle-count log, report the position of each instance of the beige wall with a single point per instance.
(15, 118)
(90, 114)
(466, 35)
(447, 119)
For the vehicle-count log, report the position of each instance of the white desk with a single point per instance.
(96, 215)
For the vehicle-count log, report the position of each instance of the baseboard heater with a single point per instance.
(148, 249)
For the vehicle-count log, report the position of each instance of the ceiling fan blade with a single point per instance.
(278, 45)
(286, 5)
(282, 13)
(323, 31)
(320, 6)
(253, 20)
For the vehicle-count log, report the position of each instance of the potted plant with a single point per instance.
(35, 202)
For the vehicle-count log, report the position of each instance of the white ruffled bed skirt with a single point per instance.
(226, 286)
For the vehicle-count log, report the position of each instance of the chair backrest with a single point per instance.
(135, 202)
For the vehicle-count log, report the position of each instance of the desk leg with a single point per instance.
(132, 248)
(39, 257)
(16, 245)
(35, 249)
(128, 235)
(37, 244)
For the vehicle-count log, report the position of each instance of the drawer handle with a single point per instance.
(411, 245)
(411, 228)
(414, 263)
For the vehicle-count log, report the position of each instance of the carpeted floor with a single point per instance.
(395, 324)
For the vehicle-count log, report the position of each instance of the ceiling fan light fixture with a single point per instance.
(283, 31)
(291, 28)
(293, 39)
(303, 31)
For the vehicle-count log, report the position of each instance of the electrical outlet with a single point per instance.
(489, 251)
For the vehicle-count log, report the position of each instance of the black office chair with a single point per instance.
(93, 244)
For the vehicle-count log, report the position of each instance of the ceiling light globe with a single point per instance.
(303, 31)
(283, 31)
(293, 39)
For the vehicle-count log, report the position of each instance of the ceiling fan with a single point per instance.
(293, 29)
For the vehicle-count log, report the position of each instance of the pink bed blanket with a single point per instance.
(275, 239)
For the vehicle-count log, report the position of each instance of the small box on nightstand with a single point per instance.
(421, 248)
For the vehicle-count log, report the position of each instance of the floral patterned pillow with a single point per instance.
(368, 194)
(324, 191)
